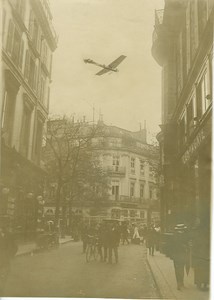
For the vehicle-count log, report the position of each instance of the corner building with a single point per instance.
(28, 41)
(131, 166)
(183, 47)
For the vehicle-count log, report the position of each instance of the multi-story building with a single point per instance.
(183, 47)
(131, 165)
(28, 41)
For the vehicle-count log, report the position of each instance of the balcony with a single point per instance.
(115, 170)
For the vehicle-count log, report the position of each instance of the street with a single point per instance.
(64, 272)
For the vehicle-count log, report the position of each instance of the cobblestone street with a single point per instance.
(65, 273)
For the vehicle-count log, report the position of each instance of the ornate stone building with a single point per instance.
(131, 165)
(28, 41)
(183, 47)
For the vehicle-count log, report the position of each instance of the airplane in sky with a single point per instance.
(105, 69)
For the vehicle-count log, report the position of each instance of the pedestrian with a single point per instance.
(113, 242)
(84, 236)
(157, 237)
(201, 255)
(136, 236)
(179, 252)
(105, 240)
(151, 234)
(124, 233)
(8, 249)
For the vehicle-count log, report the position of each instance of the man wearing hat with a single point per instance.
(179, 252)
(8, 249)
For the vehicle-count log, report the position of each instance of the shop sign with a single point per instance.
(194, 146)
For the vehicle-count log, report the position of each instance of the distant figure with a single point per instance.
(124, 233)
(8, 249)
(157, 238)
(113, 242)
(179, 248)
(201, 255)
(150, 240)
(84, 235)
(136, 236)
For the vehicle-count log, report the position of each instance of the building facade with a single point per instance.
(131, 166)
(183, 47)
(28, 41)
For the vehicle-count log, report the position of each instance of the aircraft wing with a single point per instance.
(117, 61)
(103, 71)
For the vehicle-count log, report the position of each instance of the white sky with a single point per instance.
(102, 30)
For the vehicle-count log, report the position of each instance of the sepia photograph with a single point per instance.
(106, 149)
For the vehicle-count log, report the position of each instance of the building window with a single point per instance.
(25, 131)
(190, 118)
(15, 44)
(141, 190)
(115, 190)
(116, 162)
(142, 171)
(132, 189)
(202, 95)
(30, 70)
(8, 117)
(133, 163)
(182, 137)
(150, 193)
(38, 141)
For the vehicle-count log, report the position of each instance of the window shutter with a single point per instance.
(10, 37)
(21, 54)
(27, 61)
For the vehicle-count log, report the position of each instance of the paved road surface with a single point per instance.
(65, 273)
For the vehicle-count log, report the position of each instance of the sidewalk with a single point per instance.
(163, 271)
(29, 248)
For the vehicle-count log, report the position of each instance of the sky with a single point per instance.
(102, 30)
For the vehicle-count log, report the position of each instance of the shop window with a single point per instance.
(142, 214)
(132, 213)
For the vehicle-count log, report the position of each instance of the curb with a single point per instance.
(163, 289)
(155, 281)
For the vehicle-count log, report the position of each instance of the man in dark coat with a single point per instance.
(179, 248)
(201, 255)
(113, 242)
(8, 249)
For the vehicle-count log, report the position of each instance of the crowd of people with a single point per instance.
(187, 248)
(111, 234)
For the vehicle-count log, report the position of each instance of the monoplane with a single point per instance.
(105, 69)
